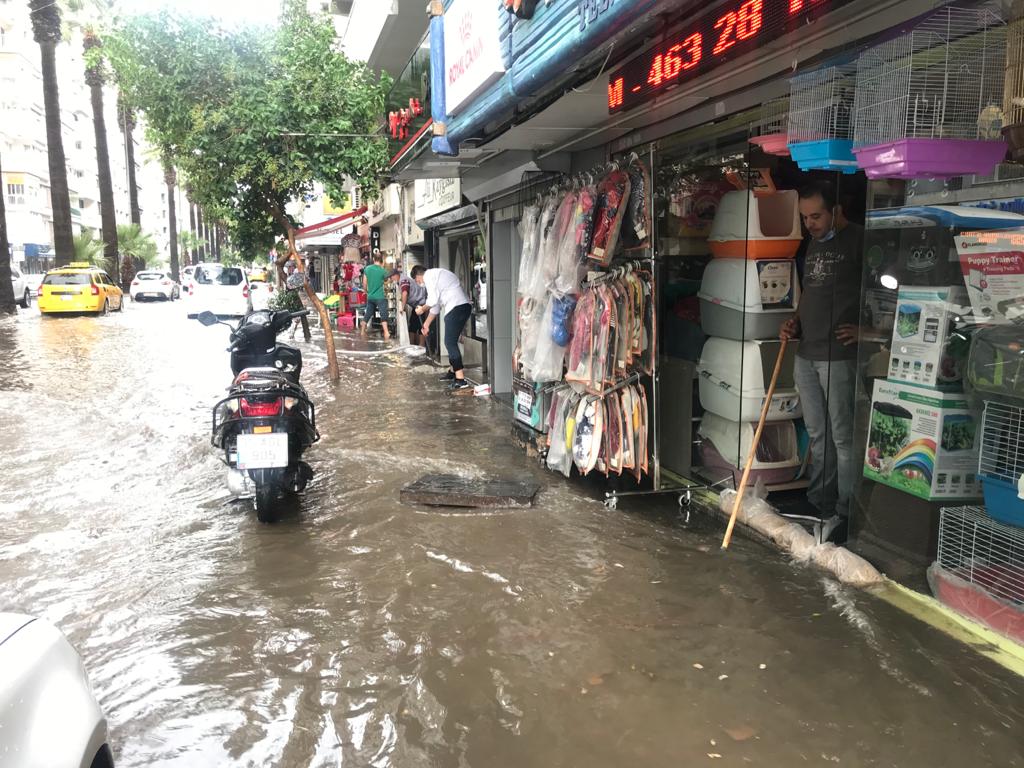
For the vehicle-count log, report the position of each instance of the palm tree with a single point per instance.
(7, 303)
(171, 180)
(46, 32)
(126, 121)
(108, 212)
(201, 233)
(192, 227)
(87, 248)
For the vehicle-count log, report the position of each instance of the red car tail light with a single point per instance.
(95, 289)
(245, 292)
(261, 408)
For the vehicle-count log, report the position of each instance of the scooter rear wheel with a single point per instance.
(265, 497)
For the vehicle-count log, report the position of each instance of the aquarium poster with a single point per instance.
(923, 351)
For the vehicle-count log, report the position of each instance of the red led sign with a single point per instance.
(729, 30)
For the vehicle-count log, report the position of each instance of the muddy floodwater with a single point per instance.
(362, 632)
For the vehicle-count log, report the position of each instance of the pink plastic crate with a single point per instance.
(346, 322)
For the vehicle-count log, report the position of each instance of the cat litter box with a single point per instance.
(734, 378)
(745, 300)
(756, 225)
(726, 445)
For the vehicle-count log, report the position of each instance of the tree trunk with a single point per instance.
(108, 211)
(170, 178)
(133, 186)
(215, 239)
(192, 229)
(334, 372)
(199, 233)
(7, 300)
(60, 199)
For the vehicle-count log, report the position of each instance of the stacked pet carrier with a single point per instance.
(821, 118)
(747, 292)
(928, 103)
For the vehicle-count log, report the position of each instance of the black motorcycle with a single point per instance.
(266, 422)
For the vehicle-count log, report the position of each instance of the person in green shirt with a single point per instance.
(376, 300)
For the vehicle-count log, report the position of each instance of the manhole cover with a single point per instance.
(455, 491)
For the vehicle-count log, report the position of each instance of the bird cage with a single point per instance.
(1001, 461)
(928, 102)
(1013, 89)
(773, 128)
(821, 118)
(979, 569)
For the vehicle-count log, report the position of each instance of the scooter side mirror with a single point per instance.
(207, 318)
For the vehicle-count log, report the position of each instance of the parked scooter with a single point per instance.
(266, 422)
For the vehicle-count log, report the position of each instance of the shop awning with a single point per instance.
(330, 226)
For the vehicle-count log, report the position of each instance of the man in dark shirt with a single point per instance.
(827, 324)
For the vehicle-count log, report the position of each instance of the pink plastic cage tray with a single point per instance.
(773, 143)
(930, 158)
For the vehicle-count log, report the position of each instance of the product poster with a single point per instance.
(993, 268)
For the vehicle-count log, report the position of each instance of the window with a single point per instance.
(81, 202)
(77, 278)
(218, 275)
(15, 194)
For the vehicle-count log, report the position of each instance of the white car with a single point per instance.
(22, 291)
(220, 289)
(261, 293)
(154, 285)
(48, 713)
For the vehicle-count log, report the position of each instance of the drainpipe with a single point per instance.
(440, 143)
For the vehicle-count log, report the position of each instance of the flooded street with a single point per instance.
(361, 632)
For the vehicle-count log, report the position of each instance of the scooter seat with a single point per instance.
(262, 378)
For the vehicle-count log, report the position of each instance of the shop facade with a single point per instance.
(724, 115)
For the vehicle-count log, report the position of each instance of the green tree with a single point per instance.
(171, 182)
(88, 248)
(138, 250)
(254, 117)
(46, 30)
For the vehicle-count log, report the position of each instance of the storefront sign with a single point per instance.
(374, 240)
(434, 196)
(728, 31)
(472, 51)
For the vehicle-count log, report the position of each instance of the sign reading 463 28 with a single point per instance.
(589, 11)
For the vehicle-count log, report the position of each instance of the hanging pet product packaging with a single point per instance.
(612, 206)
(923, 442)
(745, 300)
(928, 350)
(756, 225)
(993, 268)
(928, 102)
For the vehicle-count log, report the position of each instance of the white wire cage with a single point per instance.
(770, 130)
(942, 80)
(821, 103)
(977, 549)
(1002, 442)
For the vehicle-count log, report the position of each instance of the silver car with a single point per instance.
(22, 293)
(49, 717)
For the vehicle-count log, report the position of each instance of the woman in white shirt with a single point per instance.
(445, 291)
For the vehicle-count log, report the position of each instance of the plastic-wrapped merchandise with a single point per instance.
(534, 286)
(529, 231)
(613, 199)
(531, 316)
(548, 357)
(637, 226)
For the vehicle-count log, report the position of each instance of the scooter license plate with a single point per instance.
(263, 451)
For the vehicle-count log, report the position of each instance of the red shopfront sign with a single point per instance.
(728, 31)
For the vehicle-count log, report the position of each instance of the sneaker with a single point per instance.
(448, 376)
(458, 384)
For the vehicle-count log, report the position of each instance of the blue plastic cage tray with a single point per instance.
(825, 155)
(1002, 502)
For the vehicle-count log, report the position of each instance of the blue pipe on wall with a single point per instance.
(551, 44)
(440, 144)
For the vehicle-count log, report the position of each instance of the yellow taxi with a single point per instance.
(79, 287)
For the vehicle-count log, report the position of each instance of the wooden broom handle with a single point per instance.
(754, 444)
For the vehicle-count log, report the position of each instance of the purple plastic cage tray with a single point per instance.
(930, 158)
